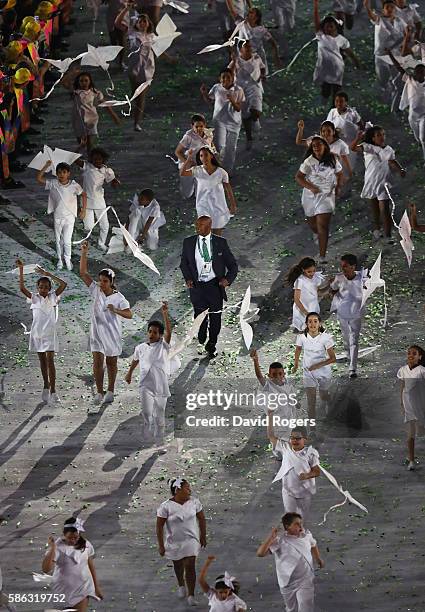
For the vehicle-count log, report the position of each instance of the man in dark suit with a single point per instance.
(208, 267)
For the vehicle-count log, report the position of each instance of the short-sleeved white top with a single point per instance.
(347, 302)
(224, 112)
(319, 174)
(154, 365)
(63, 198)
(181, 523)
(231, 604)
(93, 180)
(293, 558)
(315, 349)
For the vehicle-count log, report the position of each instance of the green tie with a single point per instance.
(205, 251)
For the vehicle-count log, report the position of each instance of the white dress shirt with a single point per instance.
(203, 275)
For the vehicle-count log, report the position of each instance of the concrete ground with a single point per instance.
(56, 462)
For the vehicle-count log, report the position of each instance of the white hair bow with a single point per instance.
(228, 580)
(177, 482)
(368, 125)
(78, 525)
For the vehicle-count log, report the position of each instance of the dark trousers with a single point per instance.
(203, 296)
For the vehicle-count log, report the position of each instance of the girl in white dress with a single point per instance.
(379, 160)
(331, 134)
(212, 188)
(295, 551)
(105, 342)
(347, 121)
(331, 49)
(224, 596)
(249, 72)
(252, 29)
(43, 334)
(194, 139)
(74, 574)
(318, 354)
(412, 377)
(86, 98)
(321, 177)
(141, 59)
(181, 532)
(306, 282)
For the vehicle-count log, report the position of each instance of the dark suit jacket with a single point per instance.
(223, 262)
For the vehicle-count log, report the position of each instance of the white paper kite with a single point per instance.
(62, 66)
(28, 269)
(137, 92)
(56, 156)
(46, 578)
(183, 7)
(246, 328)
(294, 59)
(166, 32)
(405, 231)
(232, 40)
(116, 243)
(373, 280)
(101, 56)
(190, 334)
(346, 494)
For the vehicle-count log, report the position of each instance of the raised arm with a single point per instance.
(299, 139)
(62, 284)
(355, 145)
(167, 322)
(316, 16)
(41, 179)
(84, 273)
(185, 169)
(204, 94)
(258, 373)
(179, 152)
(49, 560)
(22, 287)
(264, 548)
(119, 21)
(203, 575)
(370, 13)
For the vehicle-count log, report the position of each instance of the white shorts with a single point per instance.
(312, 380)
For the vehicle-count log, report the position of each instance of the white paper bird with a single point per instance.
(373, 280)
(166, 32)
(62, 66)
(101, 56)
(137, 92)
(232, 40)
(46, 578)
(190, 334)
(246, 328)
(56, 156)
(405, 231)
(28, 269)
(183, 7)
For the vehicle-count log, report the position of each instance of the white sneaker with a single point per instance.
(137, 127)
(69, 265)
(411, 466)
(45, 395)
(181, 592)
(200, 349)
(59, 265)
(108, 397)
(377, 234)
(191, 601)
(98, 399)
(54, 399)
(102, 247)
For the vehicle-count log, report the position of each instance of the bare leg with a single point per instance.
(190, 574)
(98, 370)
(384, 211)
(112, 367)
(376, 217)
(42, 357)
(138, 106)
(411, 448)
(50, 358)
(323, 222)
(179, 571)
(82, 606)
(312, 222)
(311, 402)
(325, 397)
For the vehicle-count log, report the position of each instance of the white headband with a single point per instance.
(109, 271)
(228, 580)
(176, 483)
(78, 525)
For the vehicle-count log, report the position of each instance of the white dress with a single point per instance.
(257, 35)
(231, 604)
(154, 367)
(377, 170)
(309, 298)
(84, 113)
(141, 59)
(210, 196)
(315, 349)
(294, 561)
(105, 326)
(72, 576)
(413, 393)
(346, 123)
(248, 76)
(181, 528)
(323, 177)
(43, 335)
(330, 63)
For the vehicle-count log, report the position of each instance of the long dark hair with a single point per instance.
(70, 526)
(370, 133)
(316, 314)
(298, 269)
(106, 272)
(331, 124)
(214, 160)
(420, 350)
(328, 158)
(85, 74)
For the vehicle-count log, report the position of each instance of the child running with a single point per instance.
(306, 282)
(223, 597)
(43, 334)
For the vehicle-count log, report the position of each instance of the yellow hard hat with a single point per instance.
(10, 5)
(13, 50)
(22, 75)
(32, 30)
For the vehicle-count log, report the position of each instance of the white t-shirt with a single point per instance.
(388, 34)
(63, 198)
(413, 392)
(143, 213)
(224, 112)
(413, 95)
(346, 122)
(105, 326)
(319, 174)
(154, 365)
(408, 14)
(290, 480)
(293, 558)
(181, 528)
(347, 302)
(315, 350)
(93, 180)
(231, 604)
(193, 141)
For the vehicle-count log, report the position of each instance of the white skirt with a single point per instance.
(320, 378)
(42, 345)
(190, 548)
(316, 204)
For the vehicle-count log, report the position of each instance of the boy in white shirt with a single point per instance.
(63, 203)
(347, 288)
(300, 467)
(153, 360)
(95, 175)
(227, 116)
(294, 551)
(145, 218)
